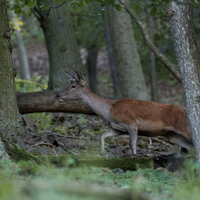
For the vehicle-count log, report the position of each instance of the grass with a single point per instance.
(26, 180)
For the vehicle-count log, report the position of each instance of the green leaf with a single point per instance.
(58, 1)
(81, 4)
(153, 11)
(31, 3)
(25, 1)
(88, 1)
(118, 7)
(43, 7)
(196, 1)
(102, 12)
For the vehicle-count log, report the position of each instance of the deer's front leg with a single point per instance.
(133, 132)
(106, 134)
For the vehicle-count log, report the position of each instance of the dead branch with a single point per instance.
(70, 136)
(44, 143)
(163, 59)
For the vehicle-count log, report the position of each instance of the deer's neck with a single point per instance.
(99, 105)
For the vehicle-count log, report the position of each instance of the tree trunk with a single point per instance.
(60, 41)
(45, 101)
(126, 57)
(180, 19)
(10, 121)
(21, 51)
(154, 89)
(91, 69)
(117, 92)
(23, 60)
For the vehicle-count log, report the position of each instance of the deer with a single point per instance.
(130, 116)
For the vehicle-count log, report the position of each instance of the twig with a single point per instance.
(84, 127)
(70, 136)
(43, 143)
(48, 151)
(163, 59)
(152, 138)
(161, 141)
(8, 34)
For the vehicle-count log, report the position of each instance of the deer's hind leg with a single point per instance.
(109, 133)
(133, 132)
(179, 140)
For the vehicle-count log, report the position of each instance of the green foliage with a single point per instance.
(43, 121)
(62, 130)
(89, 26)
(31, 86)
(25, 176)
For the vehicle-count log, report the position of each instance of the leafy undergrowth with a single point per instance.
(26, 180)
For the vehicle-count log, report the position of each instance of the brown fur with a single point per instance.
(154, 118)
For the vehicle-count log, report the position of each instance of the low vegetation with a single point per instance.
(27, 180)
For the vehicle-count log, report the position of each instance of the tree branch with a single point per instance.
(163, 59)
(38, 13)
(56, 6)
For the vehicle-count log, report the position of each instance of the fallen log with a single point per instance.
(33, 102)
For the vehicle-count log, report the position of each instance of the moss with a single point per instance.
(123, 163)
(17, 154)
(36, 153)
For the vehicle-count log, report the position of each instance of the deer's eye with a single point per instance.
(73, 86)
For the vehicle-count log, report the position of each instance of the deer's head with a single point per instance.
(75, 90)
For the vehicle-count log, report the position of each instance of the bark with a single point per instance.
(182, 30)
(163, 59)
(45, 102)
(117, 92)
(21, 52)
(91, 69)
(154, 88)
(10, 120)
(23, 60)
(60, 41)
(126, 57)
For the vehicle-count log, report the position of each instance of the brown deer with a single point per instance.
(132, 117)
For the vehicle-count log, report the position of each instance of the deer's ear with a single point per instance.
(71, 78)
(81, 79)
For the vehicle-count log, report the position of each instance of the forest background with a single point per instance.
(127, 67)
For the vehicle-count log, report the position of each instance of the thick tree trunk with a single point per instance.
(180, 19)
(10, 120)
(117, 92)
(91, 69)
(45, 101)
(154, 88)
(126, 57)
(60, 41)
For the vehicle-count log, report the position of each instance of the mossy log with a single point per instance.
(17, 154)
(45, 101)
(119, 162)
